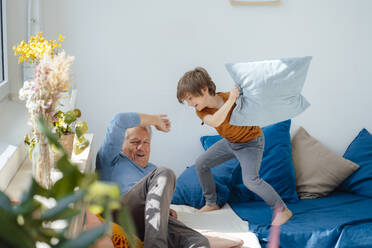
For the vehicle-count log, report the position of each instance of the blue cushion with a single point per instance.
(208, 141)
(277, 167)
(189, 192)
(271, 90)
(360, 152)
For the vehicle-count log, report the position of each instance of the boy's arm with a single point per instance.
(220, 115)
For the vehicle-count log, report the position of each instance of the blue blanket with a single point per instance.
(339, 220)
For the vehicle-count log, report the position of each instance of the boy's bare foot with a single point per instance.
(208, 208)
(282, 217)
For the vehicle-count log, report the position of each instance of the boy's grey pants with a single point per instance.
(249, 155)
(148, 203)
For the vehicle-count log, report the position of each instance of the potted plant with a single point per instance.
(67, 127)
(29, 222)
(51, 79)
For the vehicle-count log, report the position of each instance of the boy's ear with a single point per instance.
(205, 90)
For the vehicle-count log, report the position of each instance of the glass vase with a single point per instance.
(67, 142)
(42, 162)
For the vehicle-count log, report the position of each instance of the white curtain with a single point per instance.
(33, 26)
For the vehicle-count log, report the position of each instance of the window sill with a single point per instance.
(13, 122)
(4, 90)
(10, 160)
(22, 177)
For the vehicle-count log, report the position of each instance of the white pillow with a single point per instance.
(271, 90)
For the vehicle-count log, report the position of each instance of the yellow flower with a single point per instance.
(104, 189)
(36, 48)
(61, 38)
(95, 208)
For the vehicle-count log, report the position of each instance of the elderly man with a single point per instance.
(146, 190)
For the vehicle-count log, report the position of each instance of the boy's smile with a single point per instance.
(195, 101)
(199, 102)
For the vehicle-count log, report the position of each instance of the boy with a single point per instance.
(246, 143)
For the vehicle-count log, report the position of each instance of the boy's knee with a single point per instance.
(201, 163)
(251, 181)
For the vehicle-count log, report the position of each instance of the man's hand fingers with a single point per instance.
(173, 213)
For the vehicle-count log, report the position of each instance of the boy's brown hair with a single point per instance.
(193, 82)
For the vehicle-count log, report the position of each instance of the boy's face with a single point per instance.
(199, 102)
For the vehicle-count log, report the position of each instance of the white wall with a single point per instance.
(130, 55)
(17, 31)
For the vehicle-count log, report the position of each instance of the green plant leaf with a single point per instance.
(126, 222)
(27, 203)
(5, 202)
(68, 214)
(86, 238)
(70, 117)
(81, 145)
(49, 232)
(52, 138)
(45, 234)
(33, 189)
(30, 152)
(21, 225)
(62, 205)
(59, 114)
(12, 233)
(77, 112)
(65, 214)
(81, 128)
(41, 235)
(3, 243)
(72, 178)
(27, 207)
(78, 132)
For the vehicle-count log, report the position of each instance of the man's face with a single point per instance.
(136, 145)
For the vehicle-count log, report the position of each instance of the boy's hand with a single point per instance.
(162, 123)
(234, 94)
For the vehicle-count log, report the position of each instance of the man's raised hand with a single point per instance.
(163, 124)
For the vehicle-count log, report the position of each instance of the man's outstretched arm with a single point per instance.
(160, 122)
(115, 133)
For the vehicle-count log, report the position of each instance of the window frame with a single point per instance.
(4, 84)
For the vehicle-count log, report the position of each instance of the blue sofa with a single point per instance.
(341, 219)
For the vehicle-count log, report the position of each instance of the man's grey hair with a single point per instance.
(148, 129)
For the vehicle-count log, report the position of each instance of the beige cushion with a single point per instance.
(318, 170)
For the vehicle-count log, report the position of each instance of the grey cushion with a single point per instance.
(318, 170)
